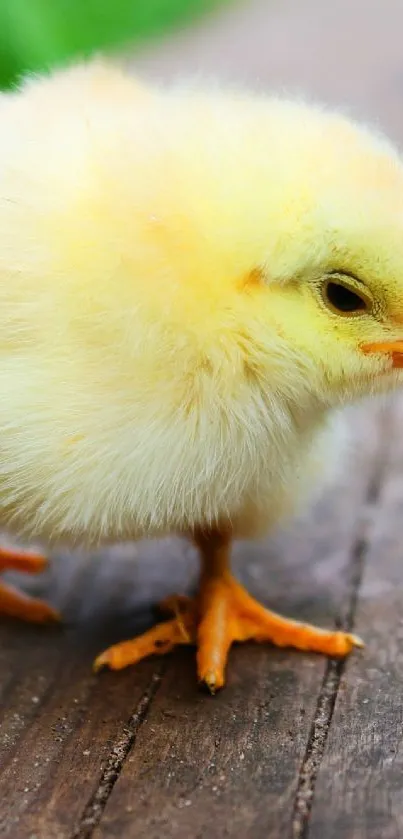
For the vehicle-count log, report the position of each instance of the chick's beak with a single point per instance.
(391, 348)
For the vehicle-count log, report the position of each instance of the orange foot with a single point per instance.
(223, 612)
(15, 603)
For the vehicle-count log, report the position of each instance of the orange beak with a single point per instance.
(392, 348)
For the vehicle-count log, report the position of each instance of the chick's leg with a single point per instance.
(222, 612)
(15, 603)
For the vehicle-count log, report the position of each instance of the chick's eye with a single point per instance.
(343, 300)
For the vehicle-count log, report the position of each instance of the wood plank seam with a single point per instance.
(118, 754)
(305, 792)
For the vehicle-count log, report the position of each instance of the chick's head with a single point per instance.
(333, 275)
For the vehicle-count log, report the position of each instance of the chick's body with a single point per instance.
(165, 361)
(132, 400)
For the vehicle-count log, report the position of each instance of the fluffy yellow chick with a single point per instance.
(191, 282)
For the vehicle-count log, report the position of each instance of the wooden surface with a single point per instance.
(295, 747)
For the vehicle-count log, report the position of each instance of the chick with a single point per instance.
(192, 283)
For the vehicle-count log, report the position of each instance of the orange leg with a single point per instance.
(15, 603)
(223, 612)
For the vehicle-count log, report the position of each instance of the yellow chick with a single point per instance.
(191, 282)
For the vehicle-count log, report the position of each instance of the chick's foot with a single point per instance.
(221, 614)
(15, 603)
(232, 615)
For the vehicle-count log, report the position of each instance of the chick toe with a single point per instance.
(27, 561)
(159, 640)
(17, 604)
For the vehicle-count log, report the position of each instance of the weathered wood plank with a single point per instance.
(358, 789)
(229, 765)
(58, 721)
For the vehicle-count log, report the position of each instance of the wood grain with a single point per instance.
(358, 790)
(58, 721)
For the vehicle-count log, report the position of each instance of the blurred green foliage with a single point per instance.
(37, 34)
